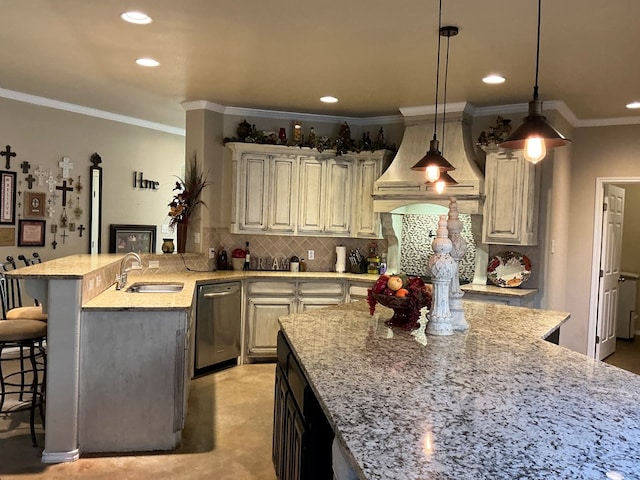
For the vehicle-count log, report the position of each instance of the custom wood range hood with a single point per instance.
(399, 185)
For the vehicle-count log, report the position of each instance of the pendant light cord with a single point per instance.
(435, 120)
(446, 76)
(535, 87)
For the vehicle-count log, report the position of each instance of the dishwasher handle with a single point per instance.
(221, 293)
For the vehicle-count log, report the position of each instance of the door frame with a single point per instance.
(596, 254)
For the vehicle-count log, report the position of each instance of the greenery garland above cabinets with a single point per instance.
(278, 190)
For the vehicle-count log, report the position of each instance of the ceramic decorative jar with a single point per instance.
(167, 245)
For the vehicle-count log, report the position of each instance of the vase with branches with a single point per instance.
(186, 198)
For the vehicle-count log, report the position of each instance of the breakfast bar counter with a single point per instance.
(495, 402)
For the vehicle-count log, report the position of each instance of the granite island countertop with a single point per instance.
(496, 402)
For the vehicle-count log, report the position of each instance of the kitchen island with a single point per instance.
(495, 402)
(78, 290)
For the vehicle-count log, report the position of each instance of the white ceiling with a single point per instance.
(375, 55)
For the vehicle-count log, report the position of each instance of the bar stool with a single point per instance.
(12, 307)
(27, 336)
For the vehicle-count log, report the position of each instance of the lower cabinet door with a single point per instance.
(294, 432)
(279, 413)
(262, 322)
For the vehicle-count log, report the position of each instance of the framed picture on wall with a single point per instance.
(132, 238)
(7, 198)
(34, 204)
(31, 233)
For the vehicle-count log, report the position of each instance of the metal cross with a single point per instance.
(30, 179)
(64, 235)
(54, 243)
(25, 167)
(81, 229)
(64, 189)
(65, 165)
(8, 154)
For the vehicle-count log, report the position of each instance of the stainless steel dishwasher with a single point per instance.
(218, 320)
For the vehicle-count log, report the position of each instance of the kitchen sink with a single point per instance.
(142, 287)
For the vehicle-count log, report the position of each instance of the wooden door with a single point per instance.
(610, 254)
(367, 222)
(254, 192)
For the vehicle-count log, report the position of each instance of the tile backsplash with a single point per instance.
(278, 246)
(418, 231)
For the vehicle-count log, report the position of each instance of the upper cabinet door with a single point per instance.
(511, 207)
(254, 171)
(312, 195)
(367, 222)
(283, 194)
(339, 196)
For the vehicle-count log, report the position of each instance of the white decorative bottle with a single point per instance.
(459, 248)
(442, 268)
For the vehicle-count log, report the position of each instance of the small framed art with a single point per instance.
(31, 233)
(7, 198)
(34, 204)
(132, 238)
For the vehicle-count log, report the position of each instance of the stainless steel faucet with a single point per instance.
(121, 278)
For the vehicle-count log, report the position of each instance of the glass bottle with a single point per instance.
(247, 257)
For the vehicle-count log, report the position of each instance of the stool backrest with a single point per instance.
(35, 258)
(9, 287)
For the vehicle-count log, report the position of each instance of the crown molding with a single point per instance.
(91, 112)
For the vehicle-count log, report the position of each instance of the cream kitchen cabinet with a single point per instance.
(267, 300)
(291, 191)
(511, 207)
(266, 193)
(325, 196)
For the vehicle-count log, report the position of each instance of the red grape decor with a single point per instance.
(405, 301)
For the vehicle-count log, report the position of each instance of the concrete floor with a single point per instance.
(227, 437)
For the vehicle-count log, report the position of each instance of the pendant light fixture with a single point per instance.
(445, 179)
(535, 135)
(433, 163)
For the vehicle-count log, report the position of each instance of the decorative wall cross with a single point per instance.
(65, 165)
(81, 229)
(51, 181)
(64, 236)
(8, 154)
(25, 167)
(30, 179)
(41, 174)
(64, 189)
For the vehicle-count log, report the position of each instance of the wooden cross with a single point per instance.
(25, 167)
(41, 173)
(65, 165)
(64, 189)
(30, 179)
(8, 154)
(54, 243)
(64, 235)
(81, 229)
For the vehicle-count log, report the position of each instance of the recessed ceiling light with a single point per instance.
(328, 99)
(494, 79)
(147, 62)
(633, 105)
(139, 18)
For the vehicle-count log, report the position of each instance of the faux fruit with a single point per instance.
(395, 283)
(402, 292)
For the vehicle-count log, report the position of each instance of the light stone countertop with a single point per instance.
(496, 402)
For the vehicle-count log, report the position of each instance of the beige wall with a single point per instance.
(597, 152)
(43, 136)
